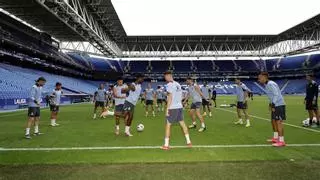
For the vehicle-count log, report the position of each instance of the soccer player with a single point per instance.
(119, 98)
(196, 96)
(134, 90)
(55, 99)
(214, 96)
(100, 98)
(159, 94)
(277, 108)
(242, 105)
(34, 107)
(149, 96)
(311, 100)
(174, 110)
(206, 100)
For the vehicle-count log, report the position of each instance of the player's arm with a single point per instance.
(95, 96)
(275, 95)
(169, 102)
(315, 93)
(186, 98)
(198, 90)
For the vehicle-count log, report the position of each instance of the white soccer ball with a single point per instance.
(140, 127)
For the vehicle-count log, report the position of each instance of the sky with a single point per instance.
(212, 17)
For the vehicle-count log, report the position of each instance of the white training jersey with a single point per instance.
(174, 88)
(117, 90)
(134, 95)
(56, 97)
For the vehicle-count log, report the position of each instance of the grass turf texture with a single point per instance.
(79, 130)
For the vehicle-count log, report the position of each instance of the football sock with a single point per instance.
(275, 135)
(36, 129)
(240, 120)
(281, 138)
(53, 121)
(248, 121)
(166, 141)
(27, 131)
(187, 138)
(194, 123)
(203, 125)
(127, 129)
(117, 127)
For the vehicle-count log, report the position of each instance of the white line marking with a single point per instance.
(151, 147)
(265, 119)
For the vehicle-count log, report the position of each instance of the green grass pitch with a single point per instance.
(222, 159)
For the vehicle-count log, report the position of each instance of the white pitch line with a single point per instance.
(151, 147)
(265, 119)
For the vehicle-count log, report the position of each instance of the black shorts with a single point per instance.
(175, 116)
(34, 111)
(242, 105)
(311, 106)
(196, 105)
(54, 108)
(159, 101)
(100, 104)
(119, 108)
(149, 102)
(279, 113)
(205, 102)
(128, 107)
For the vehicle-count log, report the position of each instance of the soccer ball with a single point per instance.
(140, 127)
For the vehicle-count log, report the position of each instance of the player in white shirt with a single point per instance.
(149, 95)
(119, 99)
(54, 101)
(134, 90)
(174, 111)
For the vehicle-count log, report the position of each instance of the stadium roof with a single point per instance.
(98, 22)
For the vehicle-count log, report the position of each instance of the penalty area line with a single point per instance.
(151, 147)
(265, 119)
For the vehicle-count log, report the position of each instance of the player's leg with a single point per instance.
(317, 115)
(310, 112)
(200, 117)
(167, 136)
(215, 102)
(37, 122)
(280, 130)
(95, 110)
(209, 108)
(117, 115)
(204, 107)
(147, 108)
(152, 109)
(193, 119)
(275, 137)
(246, 115)
(240, 121)
(30, 122)
(185, 132)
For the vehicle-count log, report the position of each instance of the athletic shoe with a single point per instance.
(204, 114)
(192, 126)
(128, 134)
(238, 122)
(279, 144)
(189, 145)
(202, 129)
(165, 148)
(94, 116)
(37, 134)
(248, 125)
(53, 125)
(27, 136)
(117, 132)
(273, 140)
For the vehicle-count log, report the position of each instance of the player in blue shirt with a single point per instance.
(277, 108)
(35, 100)
(242, 101)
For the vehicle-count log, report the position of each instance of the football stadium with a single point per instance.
(159, 89)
